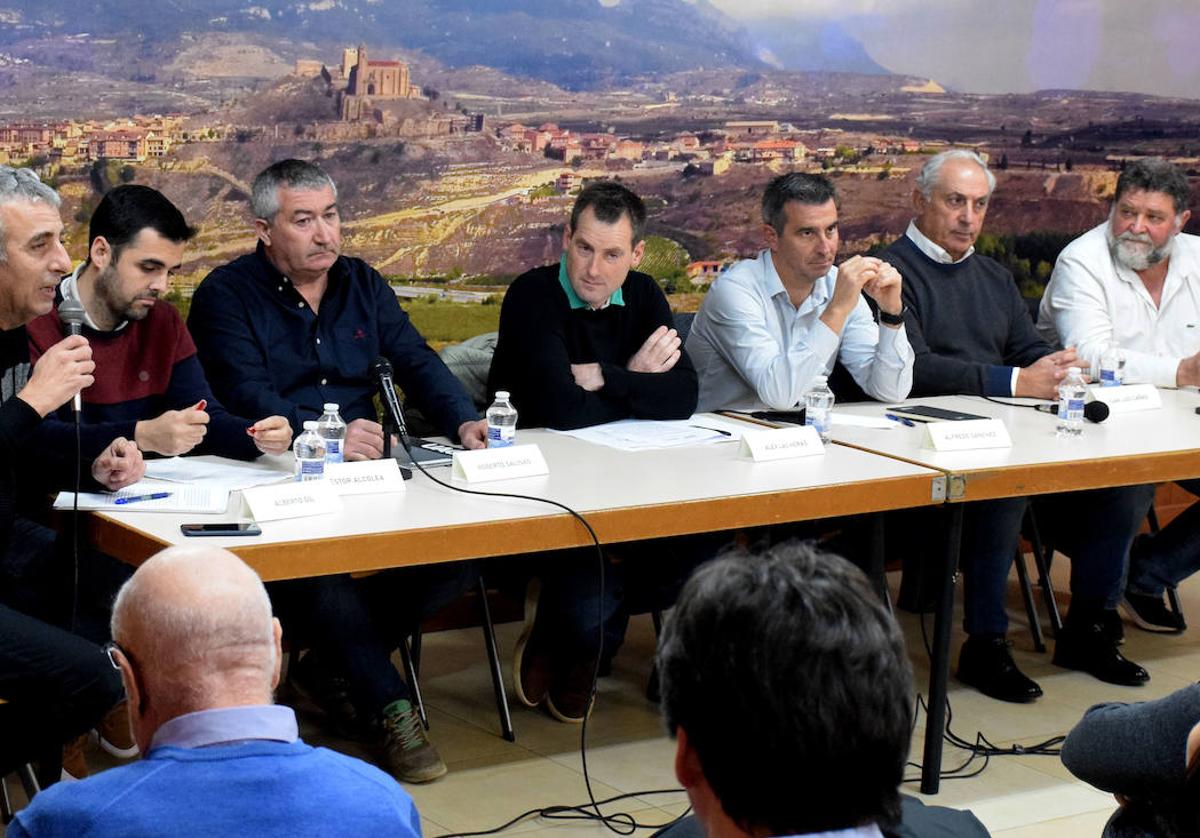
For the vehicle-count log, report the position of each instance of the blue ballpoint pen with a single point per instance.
(903, 421)
(136, 498)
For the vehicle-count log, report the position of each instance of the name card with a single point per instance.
(782, 443)
(966, 435)
(1128, 398)
(484, 464)
(369, 477)
(292, 500)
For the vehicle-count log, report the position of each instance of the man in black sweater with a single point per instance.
(972, 334)
(57, 684)
(587, 341)
(590, 340)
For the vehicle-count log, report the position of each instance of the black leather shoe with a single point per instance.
(1089, 647)
(986, 664)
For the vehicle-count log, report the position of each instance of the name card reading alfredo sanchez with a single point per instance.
(369, 477)
(966, 435)
(782, 443)
(486, 464)
(292, 500)
(1128, 398)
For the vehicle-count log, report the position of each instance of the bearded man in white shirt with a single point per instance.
(1133, 282)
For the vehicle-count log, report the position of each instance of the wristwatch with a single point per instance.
(892, 319)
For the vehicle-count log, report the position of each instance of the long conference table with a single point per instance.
(631, 496)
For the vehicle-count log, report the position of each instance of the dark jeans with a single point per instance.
(37, 577)
(638, 577)
(1172, 554)
(57, 686)
(1094, 528)
(357, 623)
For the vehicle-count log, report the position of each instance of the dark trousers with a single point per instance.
(1171, 555)
(357, 623)
(1094, 528)
(638, 577)
(38, 578)
(57, 686)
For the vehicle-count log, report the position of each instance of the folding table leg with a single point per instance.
(489, 641)
(939, 665)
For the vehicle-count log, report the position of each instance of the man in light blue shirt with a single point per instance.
(199, 653)
(771, 324)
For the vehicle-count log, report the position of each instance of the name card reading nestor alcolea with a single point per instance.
(1128, 398)
(782, 443)
(966, 435)
(486, 464)
(369, 477)
(292, 500)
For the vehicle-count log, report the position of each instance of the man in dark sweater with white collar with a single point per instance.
(972, 334)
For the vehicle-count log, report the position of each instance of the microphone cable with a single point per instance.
(620, 823)
(981, 748)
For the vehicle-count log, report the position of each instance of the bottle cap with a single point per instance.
(501, 395)
(331, 407)
(310, 425)
(1073, 370)
(819, 380)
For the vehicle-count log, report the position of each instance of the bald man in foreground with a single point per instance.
(199, 652)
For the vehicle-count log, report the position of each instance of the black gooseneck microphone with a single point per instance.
(381, 371)
(1092, 411)
(70, 312)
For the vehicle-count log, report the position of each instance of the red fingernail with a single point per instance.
(200, 405)
(251, 431)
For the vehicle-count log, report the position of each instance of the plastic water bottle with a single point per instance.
(818, 404)
(501, 422)
(309, 449)
(1071, 394)
(332, 429)
(1112, 367)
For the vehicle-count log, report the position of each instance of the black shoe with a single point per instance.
(1114, 628)
(986, 664)
(1149, 612)
(312, 679)
(1089, 648)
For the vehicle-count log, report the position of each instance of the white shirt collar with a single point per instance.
(69, 288)
(932, 249)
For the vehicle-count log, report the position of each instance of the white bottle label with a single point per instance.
(501, 436)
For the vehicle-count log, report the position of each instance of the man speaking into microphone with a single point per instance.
(284, 330)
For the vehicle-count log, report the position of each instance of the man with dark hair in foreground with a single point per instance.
(788, 689)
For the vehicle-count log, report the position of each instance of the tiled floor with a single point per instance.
(492, 781)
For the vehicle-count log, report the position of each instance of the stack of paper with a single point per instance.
(138, 498)
(643, 434)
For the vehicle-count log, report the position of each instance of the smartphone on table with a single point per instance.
(224, 528)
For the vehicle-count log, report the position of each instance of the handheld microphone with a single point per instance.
(1095, 412)
(70, 312)
(381, 371)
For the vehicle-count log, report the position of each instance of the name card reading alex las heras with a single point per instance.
(966, 435)
(1128, 398)
(486, 464)
(782, 443)
(369, 477)
(292, 500)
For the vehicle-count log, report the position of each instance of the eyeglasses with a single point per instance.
(109, 649)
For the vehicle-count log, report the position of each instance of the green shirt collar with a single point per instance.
(617, 298)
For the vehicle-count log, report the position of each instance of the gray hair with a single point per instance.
(199, 621)
(1153, 174)
(22, 185)
(932, 170)
(293, 174)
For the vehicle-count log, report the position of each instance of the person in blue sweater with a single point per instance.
(972, 335)
(199, 652)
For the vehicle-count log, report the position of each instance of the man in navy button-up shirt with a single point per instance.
(295, 324)
(285, 329)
